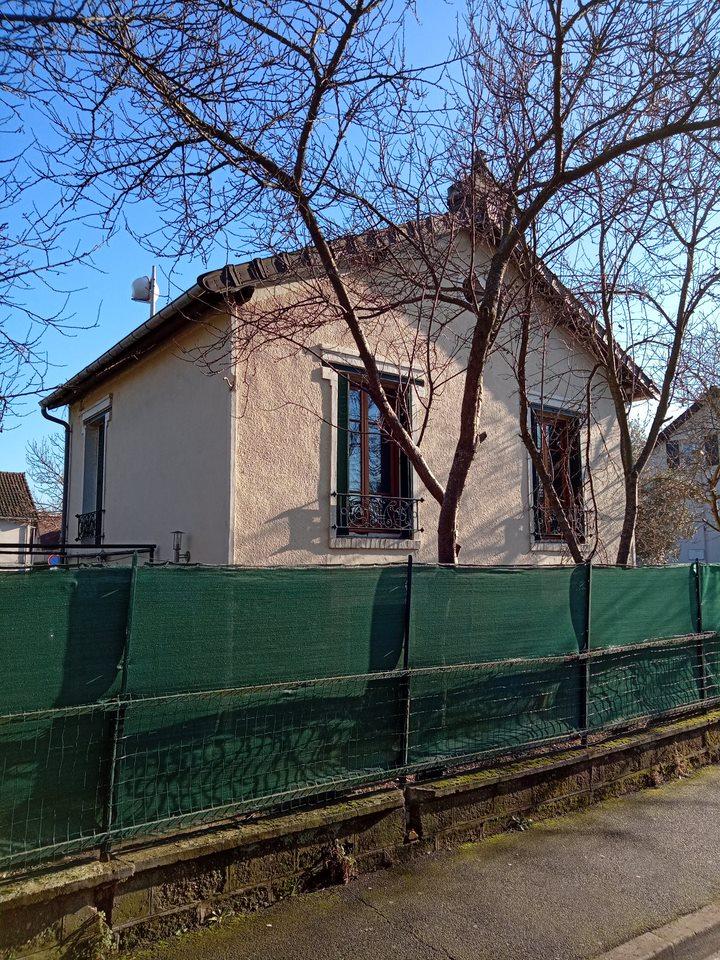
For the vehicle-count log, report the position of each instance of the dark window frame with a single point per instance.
(571, 481)
(401, 486)
(711, 449)
(90, 522)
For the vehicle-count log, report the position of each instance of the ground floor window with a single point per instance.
(557, 437)
(374, 479)
(90, 521)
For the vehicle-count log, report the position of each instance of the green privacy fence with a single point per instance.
(139, 700)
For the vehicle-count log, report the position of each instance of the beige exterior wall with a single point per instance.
(244, 462)
(167, 453)
(284, 460)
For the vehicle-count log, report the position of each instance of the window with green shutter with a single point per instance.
(374, 494)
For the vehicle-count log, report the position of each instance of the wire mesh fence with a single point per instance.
(138, 701)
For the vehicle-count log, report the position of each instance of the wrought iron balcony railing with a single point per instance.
(375, 513)
(90, 527)
(547, 527)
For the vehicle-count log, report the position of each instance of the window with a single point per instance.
(557, 437)
(710, 450)
(90, 520)
(693, 454)
(374, 479)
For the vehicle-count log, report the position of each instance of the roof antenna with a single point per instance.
(146, 290)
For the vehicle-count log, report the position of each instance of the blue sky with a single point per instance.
(101, 298)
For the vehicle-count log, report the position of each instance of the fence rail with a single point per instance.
(136, 701)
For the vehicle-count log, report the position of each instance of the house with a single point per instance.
(280, 458)
(690, 442)
(18, 519)
(49, 527)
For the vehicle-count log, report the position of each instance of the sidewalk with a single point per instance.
(569, 888)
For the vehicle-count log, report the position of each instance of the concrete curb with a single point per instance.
(691, 937)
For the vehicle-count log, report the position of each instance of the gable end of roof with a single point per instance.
(16, 501)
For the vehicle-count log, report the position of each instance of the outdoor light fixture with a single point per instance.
(177, 536)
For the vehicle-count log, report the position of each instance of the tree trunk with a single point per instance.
(627, 535)
(448, 546)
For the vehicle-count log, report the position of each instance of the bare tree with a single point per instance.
(667, 513)
(36, 247)
(691, 447)
(650, 268)
(670, 505)
(284, 125)
(44, 460)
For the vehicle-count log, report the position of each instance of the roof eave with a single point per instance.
(147, 334)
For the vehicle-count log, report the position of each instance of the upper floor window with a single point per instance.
(682, 453)
(557, 437)
(710, 450)
(672, 451)
(374, 478)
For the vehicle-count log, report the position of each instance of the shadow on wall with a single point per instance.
(305, 529)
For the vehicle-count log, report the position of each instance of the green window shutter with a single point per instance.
(406, 474)
(341, 478)
(342, 435)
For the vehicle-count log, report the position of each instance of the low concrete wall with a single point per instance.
(487, 802)
(150, 892)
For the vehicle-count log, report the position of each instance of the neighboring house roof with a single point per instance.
(16, 501)
(241, 279)
(713, 394)
(48, 526)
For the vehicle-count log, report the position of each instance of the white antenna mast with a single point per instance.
(146, 290)
(153, 291)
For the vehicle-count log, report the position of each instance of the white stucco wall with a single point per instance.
(13, 532)
(167, 457)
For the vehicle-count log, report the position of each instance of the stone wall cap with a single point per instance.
(46, 886)
(539, 765)
(231, 837)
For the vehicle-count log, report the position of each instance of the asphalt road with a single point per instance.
(569, 888)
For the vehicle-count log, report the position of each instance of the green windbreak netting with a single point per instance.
(710, 592)
(479, 615)
(461, 713)
(313, 647)
(61, 636)
(643, 683)
(230, 628)
(473, 615)
(54, 772)
(201, 755)
(631, 606)
(710, 581)
(642, 603)
(209, 629)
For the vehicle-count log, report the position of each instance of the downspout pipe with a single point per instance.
(66, 470)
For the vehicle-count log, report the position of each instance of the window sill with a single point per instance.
(372, 543)
(548, 546)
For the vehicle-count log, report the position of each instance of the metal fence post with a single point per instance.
(119, 721)
(702, 666)
(406, 666)
(585, 649)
